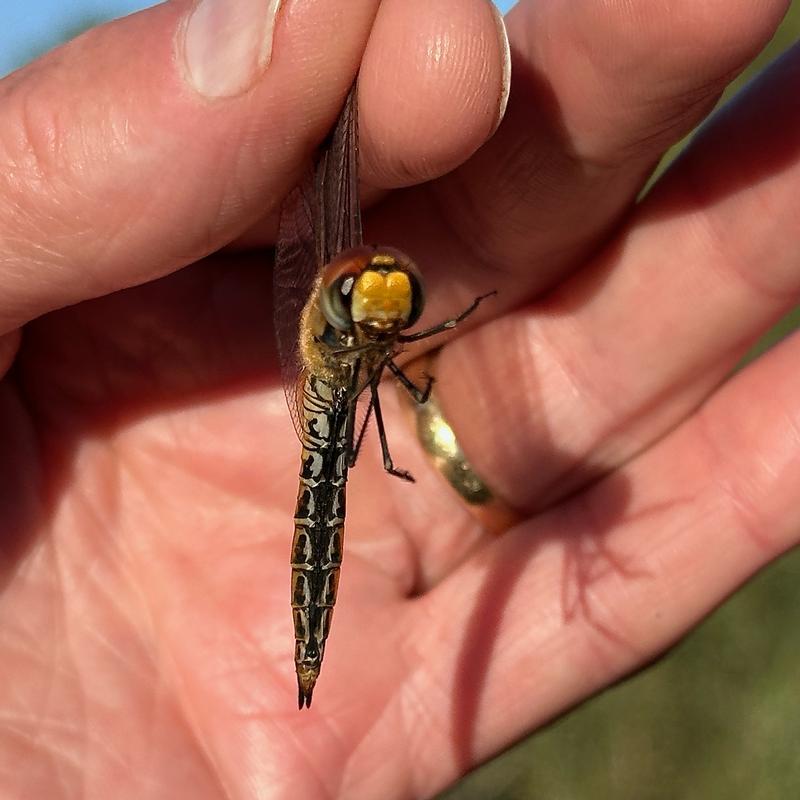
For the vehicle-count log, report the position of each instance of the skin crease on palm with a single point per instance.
(149, 466)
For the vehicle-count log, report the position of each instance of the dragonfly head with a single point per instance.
(375, 289)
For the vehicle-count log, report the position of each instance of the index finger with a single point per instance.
(124, 162)
(152, 141)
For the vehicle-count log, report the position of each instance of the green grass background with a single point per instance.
(717, 718)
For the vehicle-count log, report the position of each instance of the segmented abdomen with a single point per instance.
(318, 524)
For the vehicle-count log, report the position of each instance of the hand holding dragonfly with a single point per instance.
(149, 467)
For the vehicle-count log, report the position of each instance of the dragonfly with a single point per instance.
(341, 311)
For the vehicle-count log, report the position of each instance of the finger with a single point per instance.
(433, 86)
(599, 91)
(565, 390)
(129, 162)
(434, 83)
(566, 604)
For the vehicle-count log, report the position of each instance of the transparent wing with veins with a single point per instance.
(294, 275)
(319, 219)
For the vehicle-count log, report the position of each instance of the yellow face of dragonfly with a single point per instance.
(382, 299)
(375, 289)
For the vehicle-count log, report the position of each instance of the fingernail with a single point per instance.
(505, 86)
(227, 44)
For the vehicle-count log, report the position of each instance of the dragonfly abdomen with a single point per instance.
(319, 525)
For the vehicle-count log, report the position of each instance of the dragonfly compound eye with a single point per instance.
(417, 298)
(335, 300)
(337, 286)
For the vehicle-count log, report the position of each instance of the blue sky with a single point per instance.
(28, 28)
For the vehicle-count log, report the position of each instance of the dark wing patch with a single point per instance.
(337, 185)
(319, 219)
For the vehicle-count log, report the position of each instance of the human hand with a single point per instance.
(149, 466)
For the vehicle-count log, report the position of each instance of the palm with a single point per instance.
(149, 467)
(157, 538)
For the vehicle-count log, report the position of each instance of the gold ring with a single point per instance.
(439, 441)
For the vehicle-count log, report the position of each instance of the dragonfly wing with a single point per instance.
(339, 225)
(319, 219)
(294, 275)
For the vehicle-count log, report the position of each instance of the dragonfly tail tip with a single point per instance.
(305, 691)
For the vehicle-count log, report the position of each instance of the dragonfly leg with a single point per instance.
(447, 324)
(356, 348)
(420, 395)
(355, 392)
(360, 439)
(388, 464)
